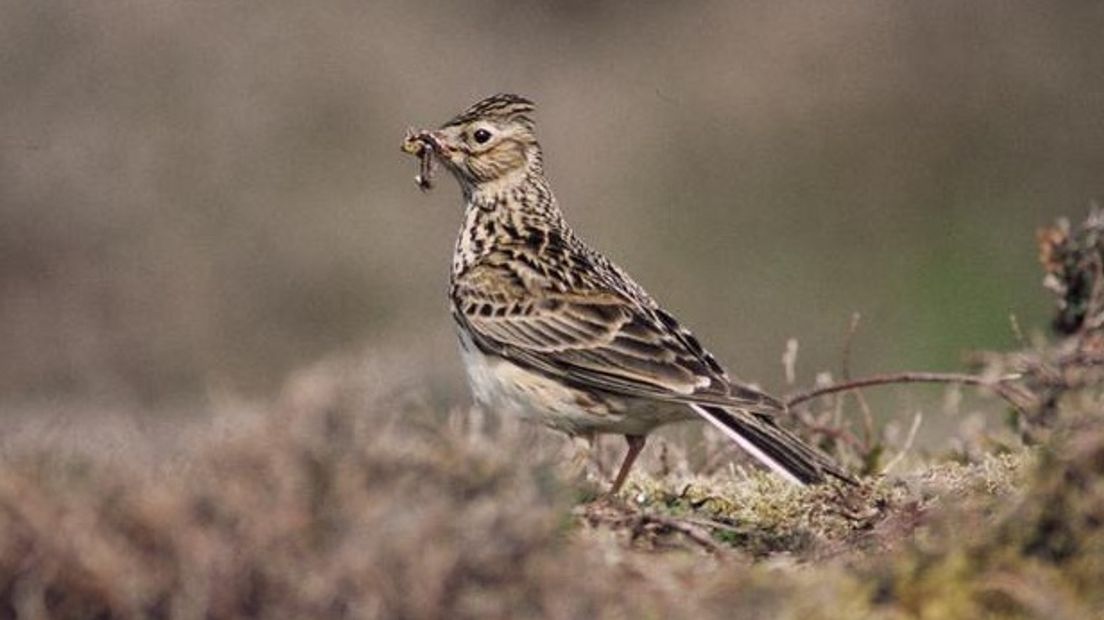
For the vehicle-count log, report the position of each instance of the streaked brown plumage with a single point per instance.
(555, 332)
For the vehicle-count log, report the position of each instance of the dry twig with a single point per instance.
(912, 377)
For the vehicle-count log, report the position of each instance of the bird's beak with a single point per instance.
(437, 140)
(417, 141)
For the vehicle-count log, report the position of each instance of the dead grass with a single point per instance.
(331, 506)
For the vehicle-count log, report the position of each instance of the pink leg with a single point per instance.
(636, 444)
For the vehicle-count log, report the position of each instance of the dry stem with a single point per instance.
(910, 377)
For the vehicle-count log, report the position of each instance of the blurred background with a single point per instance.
(197, 198)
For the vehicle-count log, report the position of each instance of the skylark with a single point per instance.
(553, 331)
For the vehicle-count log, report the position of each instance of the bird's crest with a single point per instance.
(502, 106)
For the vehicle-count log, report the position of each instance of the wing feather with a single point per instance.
(597, 338)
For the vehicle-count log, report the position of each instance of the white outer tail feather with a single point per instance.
(747, 445)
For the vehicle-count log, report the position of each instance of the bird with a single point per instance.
(553, 331)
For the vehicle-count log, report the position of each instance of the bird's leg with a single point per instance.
(636, 444)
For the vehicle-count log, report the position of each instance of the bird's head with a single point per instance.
(492, 142)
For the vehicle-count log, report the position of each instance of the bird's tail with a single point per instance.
(774, 446)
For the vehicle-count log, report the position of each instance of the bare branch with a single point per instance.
(687, 527)
(909, 377)
(916, 420)
(864, 407)
(789, 361)
(852, 329)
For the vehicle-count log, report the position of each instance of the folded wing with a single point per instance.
(600, 339)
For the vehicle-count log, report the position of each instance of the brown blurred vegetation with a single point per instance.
(196, 197)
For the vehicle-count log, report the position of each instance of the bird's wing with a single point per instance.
(598, 339)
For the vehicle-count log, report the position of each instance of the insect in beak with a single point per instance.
(423, 145)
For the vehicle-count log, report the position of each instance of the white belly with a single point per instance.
(500, 385)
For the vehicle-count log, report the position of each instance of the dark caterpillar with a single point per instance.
(419, 145)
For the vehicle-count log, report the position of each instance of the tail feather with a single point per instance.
(780, 450)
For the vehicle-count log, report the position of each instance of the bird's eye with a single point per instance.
(481, 135)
